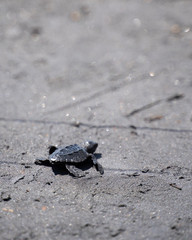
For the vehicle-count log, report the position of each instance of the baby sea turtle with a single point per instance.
(71, 155)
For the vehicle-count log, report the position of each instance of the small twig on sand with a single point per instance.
(175, 186)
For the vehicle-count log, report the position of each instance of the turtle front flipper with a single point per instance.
(97, 165)
(42, 161)
(52, 149)
(74, 170)
(99, 168)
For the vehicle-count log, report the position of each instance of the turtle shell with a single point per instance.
(69, 154)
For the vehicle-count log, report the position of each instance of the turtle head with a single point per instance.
(90, 146)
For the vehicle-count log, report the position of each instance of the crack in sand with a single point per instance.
(88, 125)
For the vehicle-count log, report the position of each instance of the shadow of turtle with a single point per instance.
(98, 155)
(60, 169)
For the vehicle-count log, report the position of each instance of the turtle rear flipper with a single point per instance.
(42, 161)
(74, 170)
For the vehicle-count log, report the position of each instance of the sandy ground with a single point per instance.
(117, 72)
